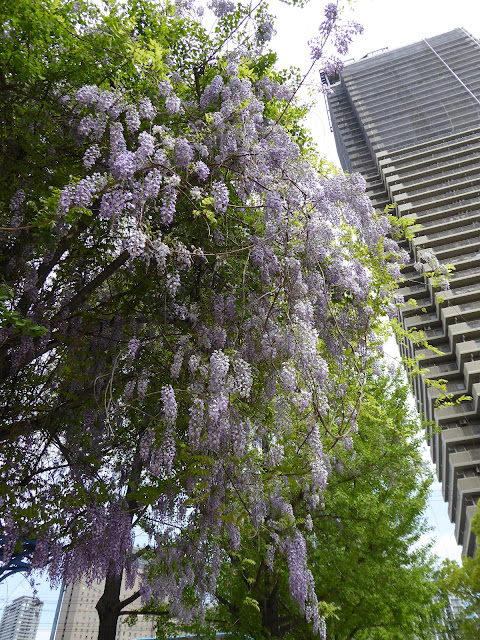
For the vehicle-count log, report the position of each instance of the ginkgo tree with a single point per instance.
(373, 576)
(186, 301)
(463, 582)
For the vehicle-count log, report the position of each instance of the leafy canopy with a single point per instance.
(372, 578)
(189, 309)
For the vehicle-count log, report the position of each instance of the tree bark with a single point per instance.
(109, 607)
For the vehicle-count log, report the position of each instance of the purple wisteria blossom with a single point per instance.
(212, 92)
(146, 110)
(124, 165)
(196, 314)
(132, 119)
(146, 147)
(201, 170)
(221, 8)
(16, 200)
(220, 196)
(113, 203)
(182, 153)
(172, 104)
(169, 404)
(133, 347)
(90, 156)
(167, 210)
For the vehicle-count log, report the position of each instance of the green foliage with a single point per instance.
(10, 318)
(381, 579)
(464, 582)
(373, 580)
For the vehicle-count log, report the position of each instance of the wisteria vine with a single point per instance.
(200, 311)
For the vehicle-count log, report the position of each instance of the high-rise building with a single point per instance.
(447, 627)
(20, 619)
(78, 618)
(409, 121)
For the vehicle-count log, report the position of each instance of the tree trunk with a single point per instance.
(270, 606)
(109, 607)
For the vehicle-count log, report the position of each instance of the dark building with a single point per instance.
(409, 121)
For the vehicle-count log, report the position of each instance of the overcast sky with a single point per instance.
(387, 23)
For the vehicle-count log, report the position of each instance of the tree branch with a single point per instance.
(128, 600)
(96, 282)
(144, 613)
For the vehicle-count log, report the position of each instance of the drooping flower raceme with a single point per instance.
(207, 304)
(264, 292)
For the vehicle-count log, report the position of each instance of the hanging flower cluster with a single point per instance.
(208, 305)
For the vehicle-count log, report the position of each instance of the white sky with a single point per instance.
(387, 23)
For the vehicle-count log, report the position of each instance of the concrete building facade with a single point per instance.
(409, 121)
(447, 626)
(20, 619)
(78, 619)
